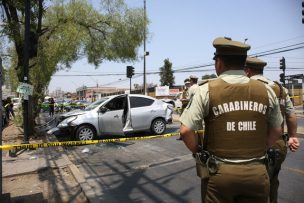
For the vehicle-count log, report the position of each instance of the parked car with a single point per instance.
(116, 115)
(44, 106)
(176, 102)
(81, 104)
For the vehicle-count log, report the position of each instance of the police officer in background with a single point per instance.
(254, 69)
(184, 96)
(194, 86)
(242, 120)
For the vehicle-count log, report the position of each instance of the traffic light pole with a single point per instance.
(283, 67)
(284, 83)
(130, 85)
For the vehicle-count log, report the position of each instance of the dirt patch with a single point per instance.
(13, 134)
(45, 185)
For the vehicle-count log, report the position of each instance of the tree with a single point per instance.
(166, 74)
(68, 30)
(207, 76)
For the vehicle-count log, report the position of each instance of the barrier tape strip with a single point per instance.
(85, 142)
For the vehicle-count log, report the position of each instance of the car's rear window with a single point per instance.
(140, 102)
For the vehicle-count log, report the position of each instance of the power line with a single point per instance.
(279, 42)
(277, 52)
(278, 48)
(187, 69)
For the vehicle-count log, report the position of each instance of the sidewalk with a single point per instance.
(42, 175)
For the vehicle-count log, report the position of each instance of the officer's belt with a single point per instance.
(240, 161)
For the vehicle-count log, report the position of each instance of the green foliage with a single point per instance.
(71, 30)
(207, 76)
(76, 29)
(166, 74)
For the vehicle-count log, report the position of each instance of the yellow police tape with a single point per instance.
(294, 96)
(85, 142)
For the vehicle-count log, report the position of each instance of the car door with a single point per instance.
(142, 112)
(111, 121)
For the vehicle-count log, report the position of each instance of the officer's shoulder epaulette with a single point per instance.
(202, 82)
(262, 81)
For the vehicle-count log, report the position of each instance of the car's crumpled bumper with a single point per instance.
(67, 131)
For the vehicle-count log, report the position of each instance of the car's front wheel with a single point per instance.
(158, 126)
(85, 132)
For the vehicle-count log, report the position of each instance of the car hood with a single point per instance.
(73, 113)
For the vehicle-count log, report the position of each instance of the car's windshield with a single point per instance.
(95, 104)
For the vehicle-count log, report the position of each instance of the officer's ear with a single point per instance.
(247, 72)
(219, 65)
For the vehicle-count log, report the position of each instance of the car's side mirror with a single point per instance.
(103, 109)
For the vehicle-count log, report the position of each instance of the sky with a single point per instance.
(183, 32)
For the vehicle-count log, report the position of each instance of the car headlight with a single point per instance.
(66, 122)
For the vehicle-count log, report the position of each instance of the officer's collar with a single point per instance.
(232, 72)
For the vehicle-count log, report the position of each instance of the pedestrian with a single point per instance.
(9, 108)
(242, 119)
(51, 107)
(254, 69)
(193, 83)
(184, 98)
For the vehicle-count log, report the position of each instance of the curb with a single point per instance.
(83, 184)
(78, 176)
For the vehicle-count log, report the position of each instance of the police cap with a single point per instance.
(193, 77)
(187, 80)
(254, 62)
(226, 46)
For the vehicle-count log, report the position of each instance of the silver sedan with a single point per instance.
(117, 115)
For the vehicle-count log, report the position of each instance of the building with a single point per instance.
(91, 94)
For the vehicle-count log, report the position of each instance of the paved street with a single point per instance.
(158, 170)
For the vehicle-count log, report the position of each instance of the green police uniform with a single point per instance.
(287, 109)
(193, 87)
(239, 175)
(192, 90)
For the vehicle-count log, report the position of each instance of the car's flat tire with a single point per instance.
(85, 132)
(158, 126)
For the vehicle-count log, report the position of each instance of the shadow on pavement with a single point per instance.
(37, 197)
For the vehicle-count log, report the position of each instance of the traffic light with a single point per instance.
(282, 78)
(130, 71)
(282, 64)
(303, 12)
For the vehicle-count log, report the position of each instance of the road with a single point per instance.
(159, 170)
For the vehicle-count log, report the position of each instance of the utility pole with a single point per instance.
(27, 5)
(145, 19)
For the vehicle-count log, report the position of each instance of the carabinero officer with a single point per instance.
(254, 69)
(193, 82)
(242, 120)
